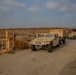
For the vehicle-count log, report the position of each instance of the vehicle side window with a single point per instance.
(49, 35)
(56, 36)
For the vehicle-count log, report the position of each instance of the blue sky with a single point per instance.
(37, 13)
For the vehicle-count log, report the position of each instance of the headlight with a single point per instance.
(43, 43)
(33, 42)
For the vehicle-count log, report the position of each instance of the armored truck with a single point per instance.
(62, 33)
(46, 41)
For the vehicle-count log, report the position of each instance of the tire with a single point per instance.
(74, 37)
(50, 46)
(33, 48)
(67, 37)
(64, 41)
(59, 44)
(43, 47)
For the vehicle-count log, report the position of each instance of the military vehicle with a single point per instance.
(72, 35)
(45, 41)
(62, 33)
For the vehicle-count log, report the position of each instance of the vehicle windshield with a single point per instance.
(45, 35)
(41, 35)
(49, 35)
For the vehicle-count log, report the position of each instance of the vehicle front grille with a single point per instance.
(38, 43)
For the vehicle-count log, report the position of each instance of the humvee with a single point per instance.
(72, 35)
(45, 40)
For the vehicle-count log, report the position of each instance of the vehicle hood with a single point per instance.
(42, 39)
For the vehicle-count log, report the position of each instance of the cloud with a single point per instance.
(68, 8)
(33, 8)
(61, 6)
(52, 5)
(7, 6)
(73, 6)
(14, 13)
(37, 1)
(12, 3)
(3, 9)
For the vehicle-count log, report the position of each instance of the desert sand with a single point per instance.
(62, 61)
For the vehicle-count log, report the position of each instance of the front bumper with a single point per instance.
(40, 43)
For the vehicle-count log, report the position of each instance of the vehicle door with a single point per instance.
(55, 40)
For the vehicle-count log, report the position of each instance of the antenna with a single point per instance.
(59, 22)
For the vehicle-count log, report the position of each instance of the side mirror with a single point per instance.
(56, 37)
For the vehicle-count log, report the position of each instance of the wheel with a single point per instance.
(64, 41)
(50, 46)
(67, 37)
(59, 44)
(43, 47)
(74, 37)
(33, 48)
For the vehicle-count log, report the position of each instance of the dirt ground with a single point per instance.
(62, 61)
